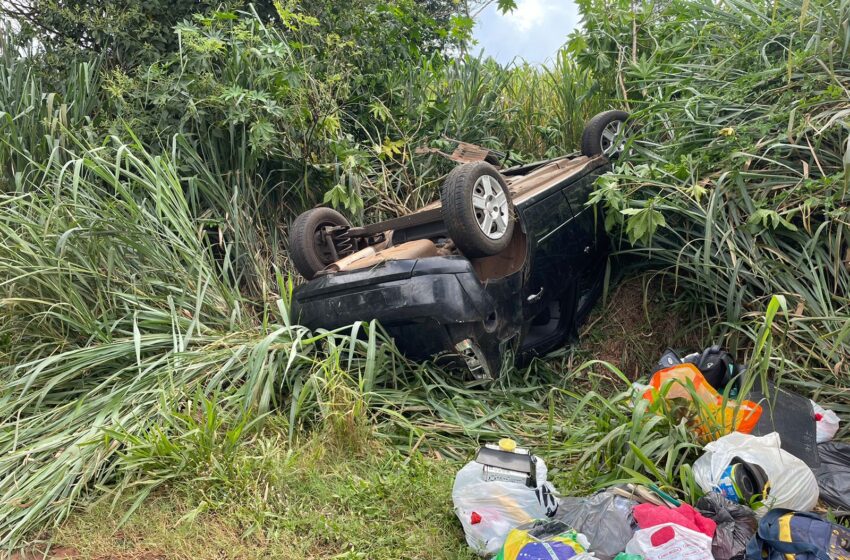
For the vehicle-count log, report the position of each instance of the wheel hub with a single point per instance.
(613, 140)
(490, 203)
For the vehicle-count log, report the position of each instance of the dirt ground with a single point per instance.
(636, 324)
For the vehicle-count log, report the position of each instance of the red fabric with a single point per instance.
(662, 536)
(475, 518)
(648, 515)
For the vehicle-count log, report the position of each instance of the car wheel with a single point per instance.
(477, 209)
(605, 134)
(308, 248)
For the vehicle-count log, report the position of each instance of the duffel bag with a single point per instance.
(784, 534)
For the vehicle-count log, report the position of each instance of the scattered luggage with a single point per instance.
(711, 414)
(826, 423)
(792, 482)
(743, 482)
(747, 470)
(670, 541)
(648, 515)
(791, 416)
(784, 534)
(715, 363)
(503, 488)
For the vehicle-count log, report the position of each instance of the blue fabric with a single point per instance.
(546, 551)
(811, 537)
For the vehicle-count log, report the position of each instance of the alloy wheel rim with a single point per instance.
(490, 204)
(613, 140)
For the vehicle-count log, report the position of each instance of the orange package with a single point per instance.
(714, 416)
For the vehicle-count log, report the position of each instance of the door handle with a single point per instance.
(534, 298)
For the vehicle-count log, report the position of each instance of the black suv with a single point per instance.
(507, 264)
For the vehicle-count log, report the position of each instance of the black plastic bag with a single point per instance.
(736, 524)
(834, 475)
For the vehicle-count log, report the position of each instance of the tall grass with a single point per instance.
(116, 311)
(33, 118)
(737, 187)
(144, 289)
(546, 108)
(132, 357)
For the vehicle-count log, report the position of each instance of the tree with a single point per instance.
(441, 10)
(126, 32)
(473, 8)
(129, 33)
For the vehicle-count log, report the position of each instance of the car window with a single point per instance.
(545, 218)
(579, 192)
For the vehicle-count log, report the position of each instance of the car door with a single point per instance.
(577, 194)
(552, 243)
(561, 285)
(558, 246)
(586, 231)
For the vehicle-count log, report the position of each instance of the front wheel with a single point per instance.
(477, 209)
(605, 134)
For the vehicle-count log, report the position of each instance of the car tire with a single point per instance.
(604, 134)
(477, 209)
(308, 253)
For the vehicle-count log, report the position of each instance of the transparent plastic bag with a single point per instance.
(682, 543)
(792, 482)
(712, 416)
(488, 510)
(605, 518)
(539, 539)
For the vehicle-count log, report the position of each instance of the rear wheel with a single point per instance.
(605, 134)
(309, 248)
(477, 209)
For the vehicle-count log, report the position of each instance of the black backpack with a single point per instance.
(716, 365)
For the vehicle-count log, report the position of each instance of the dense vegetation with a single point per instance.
(131, 357)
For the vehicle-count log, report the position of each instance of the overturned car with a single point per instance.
(506, 264)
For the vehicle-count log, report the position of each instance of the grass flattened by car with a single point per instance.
(316, 501)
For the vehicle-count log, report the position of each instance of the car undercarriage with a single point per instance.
(502, 267)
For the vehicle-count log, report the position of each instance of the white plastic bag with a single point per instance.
(685, 544)
(827, 423)
(792, 482)
(488, 510)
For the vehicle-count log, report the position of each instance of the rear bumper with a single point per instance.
(424, 304)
